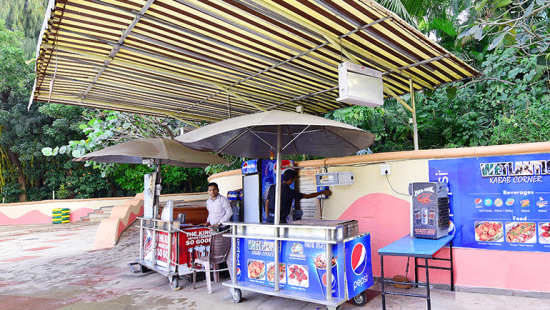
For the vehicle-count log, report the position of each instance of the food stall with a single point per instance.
(185, 242)
(304, 270)
(265, 245)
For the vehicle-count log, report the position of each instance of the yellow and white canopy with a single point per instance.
(199, 60)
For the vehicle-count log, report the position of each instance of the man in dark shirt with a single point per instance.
(287, 195)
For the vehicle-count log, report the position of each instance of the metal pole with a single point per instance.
(428, 285)
(278, 180)
(382, 282)
(415, 127)
(452, 269)
(156, 200)
(169, 254)
(141, 224)
(233, 254)
(277, 220)
(328, 266)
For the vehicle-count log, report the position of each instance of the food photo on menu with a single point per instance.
(320, 262)
(256, 269)
(521, 232)
(544, 232)
(298, 275)
(271, 272)
(489, 231)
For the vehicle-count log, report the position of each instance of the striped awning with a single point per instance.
(199, 60)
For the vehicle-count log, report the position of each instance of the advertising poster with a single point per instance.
(302, 266)
(186, 247)
(193, 243)
(500, 202)
(148, 195)
(358, 265)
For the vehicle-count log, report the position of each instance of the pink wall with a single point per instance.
(37, 217)
(387, 219)
(31, 217)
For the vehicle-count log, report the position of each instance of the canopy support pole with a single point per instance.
(415, 127)
(277, 214)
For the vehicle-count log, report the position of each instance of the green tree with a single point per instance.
(522, 25)
(26, 16)
(14, 85)
(105, 128)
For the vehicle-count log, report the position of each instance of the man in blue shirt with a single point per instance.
(287, 195)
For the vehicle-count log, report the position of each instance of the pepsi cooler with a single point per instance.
(258, 177)
(429, 209)
(236, 200)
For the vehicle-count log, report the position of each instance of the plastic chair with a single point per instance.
(219, 251)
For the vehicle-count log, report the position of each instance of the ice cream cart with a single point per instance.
(313, 255)
(160, 237)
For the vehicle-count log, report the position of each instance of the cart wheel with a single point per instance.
(143, 269)
(360, 299)
(236, 294)
(174, 283)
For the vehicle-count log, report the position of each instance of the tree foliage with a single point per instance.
(506, 40)
(519, 24)
(26, 16)
(506, 104)
(101, 129)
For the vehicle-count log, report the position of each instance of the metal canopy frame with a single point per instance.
(178, 58)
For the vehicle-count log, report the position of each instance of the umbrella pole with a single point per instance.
(278, 178)
(277, 219)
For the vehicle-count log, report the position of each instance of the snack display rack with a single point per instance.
(303, 271)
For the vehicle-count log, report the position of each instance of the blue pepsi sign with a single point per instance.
(358, 261)
(250, 166)
(499, 202)
(234, 195)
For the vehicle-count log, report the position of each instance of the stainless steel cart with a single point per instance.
(160, 237)
(303, 271)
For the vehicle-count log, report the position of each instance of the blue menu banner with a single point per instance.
(500, 202)
(302, 266)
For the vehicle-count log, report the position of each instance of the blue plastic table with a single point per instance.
(417, 248)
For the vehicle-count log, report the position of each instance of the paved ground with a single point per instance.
(52, 267)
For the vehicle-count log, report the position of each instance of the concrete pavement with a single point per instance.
(52, 267)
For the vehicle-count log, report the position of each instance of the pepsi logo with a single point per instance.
(451, 228)
(358, 258)
(245, 164)
(238, 272)
(324, 279)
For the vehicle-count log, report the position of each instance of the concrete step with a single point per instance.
(96, 219)
(98, 215)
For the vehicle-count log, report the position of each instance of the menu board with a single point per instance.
(498, 203)
(305, 183)
(302, 266)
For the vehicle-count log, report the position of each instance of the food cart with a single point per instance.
(160, 237)
(304, 270)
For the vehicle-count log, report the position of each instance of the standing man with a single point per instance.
(287, 195)
(219, 208)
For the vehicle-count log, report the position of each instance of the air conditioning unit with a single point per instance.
(360, 85)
